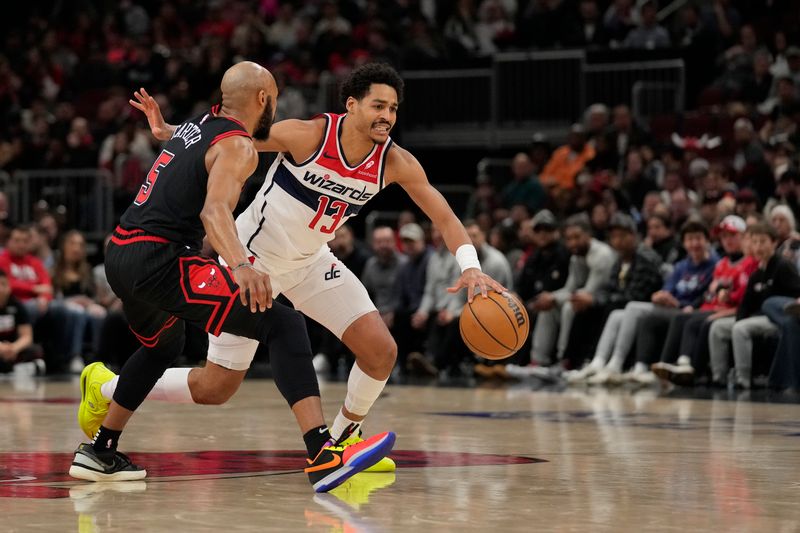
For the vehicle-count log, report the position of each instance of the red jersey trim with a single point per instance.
(330, 156)
(215, 109)
(340, 150)
(320, 147)
(126, 233)
(143, 238)
(150, 342)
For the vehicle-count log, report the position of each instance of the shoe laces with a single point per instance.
(348, 432)
(123, 459)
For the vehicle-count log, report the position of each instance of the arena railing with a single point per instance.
(84, 197)
(609, 82)
(651, 98)
(523, 93)
(7, 186)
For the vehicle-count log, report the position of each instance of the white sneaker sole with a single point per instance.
(88, 473)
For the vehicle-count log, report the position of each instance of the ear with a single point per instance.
(350, 104)
(262, 97)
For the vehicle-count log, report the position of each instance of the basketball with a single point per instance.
(494, 327)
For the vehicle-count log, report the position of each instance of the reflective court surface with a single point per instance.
(510, 458)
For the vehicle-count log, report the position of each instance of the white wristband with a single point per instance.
(467, 257)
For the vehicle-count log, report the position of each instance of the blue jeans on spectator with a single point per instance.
(785, 371)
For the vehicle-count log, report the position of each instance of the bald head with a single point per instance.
(249, 93)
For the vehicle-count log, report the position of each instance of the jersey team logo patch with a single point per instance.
(211, 281)
(333, 273)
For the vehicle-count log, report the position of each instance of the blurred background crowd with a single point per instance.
(667, 242)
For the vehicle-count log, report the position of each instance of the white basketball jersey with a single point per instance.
(300, 206)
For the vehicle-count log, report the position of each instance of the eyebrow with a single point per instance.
(380, 101)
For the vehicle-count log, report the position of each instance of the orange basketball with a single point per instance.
(494, 327)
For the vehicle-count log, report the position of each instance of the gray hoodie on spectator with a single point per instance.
(495, 265)
(443, 271)
(588, 273)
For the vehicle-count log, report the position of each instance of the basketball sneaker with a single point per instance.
(336, 463)
(386, 464)
(94, 406)
(89, 466)
(681, 374)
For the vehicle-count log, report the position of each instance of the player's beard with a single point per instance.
(261, 132)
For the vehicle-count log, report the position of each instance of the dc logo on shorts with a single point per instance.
(333, 273)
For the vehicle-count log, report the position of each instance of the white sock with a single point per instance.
(641, 368)
(362, 391)
(172, 387)
(107, 389)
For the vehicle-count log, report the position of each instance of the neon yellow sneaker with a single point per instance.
(384, 465)
(93, 406)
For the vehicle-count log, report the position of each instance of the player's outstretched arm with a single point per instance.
(230, 162)
(404, 169)
(148, 105)
(298, 137)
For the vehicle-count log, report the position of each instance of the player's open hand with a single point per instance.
(148, 105)
(472, 279)
(255, 288)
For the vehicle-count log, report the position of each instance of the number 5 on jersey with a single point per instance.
(147, 187)
(338, 205)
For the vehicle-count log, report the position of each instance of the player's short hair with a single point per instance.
(357, 84)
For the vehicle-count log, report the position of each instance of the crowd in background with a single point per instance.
(67, 70)
(672, 256)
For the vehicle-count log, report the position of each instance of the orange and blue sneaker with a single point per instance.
(384, 465)
(336, 463)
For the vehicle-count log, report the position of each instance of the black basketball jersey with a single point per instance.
(169, 203)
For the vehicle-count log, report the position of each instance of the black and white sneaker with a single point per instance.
(89, 466)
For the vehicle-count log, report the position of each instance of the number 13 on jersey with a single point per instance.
(340, 209)
(147, 187)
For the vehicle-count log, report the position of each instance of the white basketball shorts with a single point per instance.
(325, 291)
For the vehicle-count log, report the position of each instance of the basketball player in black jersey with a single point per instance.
(153, 264)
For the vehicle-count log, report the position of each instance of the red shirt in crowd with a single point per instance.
(732, 277)
(24, 274)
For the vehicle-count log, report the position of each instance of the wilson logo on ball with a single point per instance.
(494, 327)
(518, 314)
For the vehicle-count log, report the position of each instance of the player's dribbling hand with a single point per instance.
(473, 278)
(255, 287)
(148, 105)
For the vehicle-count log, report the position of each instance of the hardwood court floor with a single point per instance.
(509, 459)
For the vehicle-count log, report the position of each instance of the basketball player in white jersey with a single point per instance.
(327, 168)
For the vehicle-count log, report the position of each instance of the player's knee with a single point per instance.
(216, 395)
(381, 356)
(214, 385)
(391, 352)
